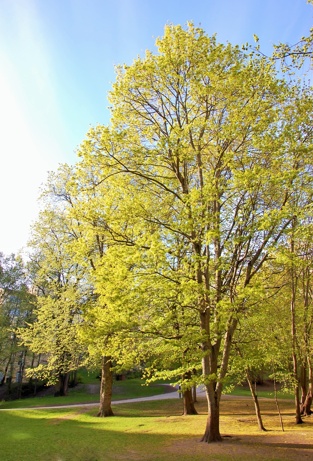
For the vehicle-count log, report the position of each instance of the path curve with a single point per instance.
(166, 396)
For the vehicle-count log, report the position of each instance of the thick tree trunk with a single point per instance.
(214, 388)
(256, 403)
(189, 407)
(212, 431)
(187, 394)
(106, 388)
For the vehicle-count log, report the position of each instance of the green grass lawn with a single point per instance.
(128, 389)
(152, 431)
(149, 431)
(269, 394)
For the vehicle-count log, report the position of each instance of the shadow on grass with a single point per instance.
(145, 431)
(70, 436)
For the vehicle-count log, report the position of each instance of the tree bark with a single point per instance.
(214, 388)
(194, 393)
(22, 362)
(187, 394)
(189, 407)
(306, 408)
(5, 374)
(256, 403)
(294, 333)
(62, 389)
(212, 430)
(303, 385)
(106, 388)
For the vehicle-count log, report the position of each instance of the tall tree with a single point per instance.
(200, 128)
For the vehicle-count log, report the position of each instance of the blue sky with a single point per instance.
(57, 61)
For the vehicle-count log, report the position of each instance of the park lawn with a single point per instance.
(261, 392)
(128, 389)
(153, 431)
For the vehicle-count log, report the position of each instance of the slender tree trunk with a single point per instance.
(106, 388)
(303, 386)
(306, 400)
(307, 403)
(309, 396)
(21, 372)
(10, 377)
(297, 392)
(5, 374)
(194, 393)
(256, 402)
(294, 337)
(32, 366)
(277, 404)
(36, 379)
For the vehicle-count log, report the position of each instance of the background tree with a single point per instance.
(16, 309)
(60, 285)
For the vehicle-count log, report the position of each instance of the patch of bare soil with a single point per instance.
(287, 447)
(243, 442)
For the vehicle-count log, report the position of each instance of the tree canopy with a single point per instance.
(176, 216)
